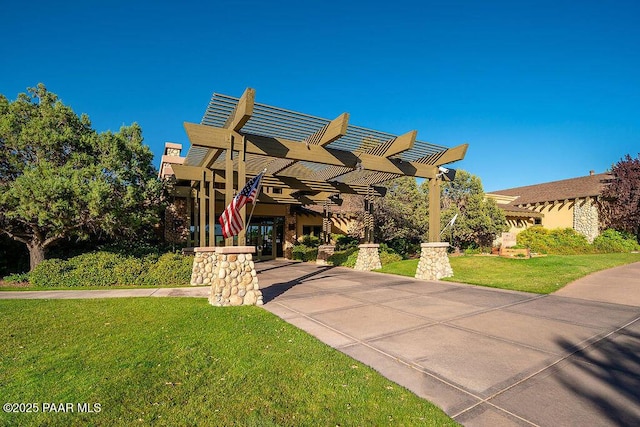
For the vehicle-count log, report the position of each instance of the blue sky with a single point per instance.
(541, 90)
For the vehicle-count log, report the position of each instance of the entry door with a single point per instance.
(262, 236)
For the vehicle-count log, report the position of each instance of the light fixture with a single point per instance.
(450, 174)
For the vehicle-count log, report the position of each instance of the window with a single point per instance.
(312, 230)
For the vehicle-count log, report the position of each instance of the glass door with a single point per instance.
(261, 234)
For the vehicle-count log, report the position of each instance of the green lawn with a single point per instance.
(179, 361)
(541, 275)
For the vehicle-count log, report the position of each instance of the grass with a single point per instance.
(179, 361)
(540, 275)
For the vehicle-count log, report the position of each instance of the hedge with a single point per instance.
(111, 269)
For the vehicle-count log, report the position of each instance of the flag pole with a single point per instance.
(255, 201)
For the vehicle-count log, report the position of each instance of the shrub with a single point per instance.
(345, 242)
(169, 269)
(388, 255)
(310, 241)
(54, 273)
(614, 241)
(16, 278)
(405, 247)
(346, 258)
(305, 253)
(110, 269)
(559, 241)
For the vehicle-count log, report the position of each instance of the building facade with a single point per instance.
(569, 203)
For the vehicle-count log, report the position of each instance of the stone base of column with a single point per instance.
(434, 262)
(203, 263)
(324, 252)
(231, 272)
(368, 257)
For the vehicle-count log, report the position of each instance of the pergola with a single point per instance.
(307, 160)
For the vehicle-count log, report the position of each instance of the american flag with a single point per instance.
(230, 220)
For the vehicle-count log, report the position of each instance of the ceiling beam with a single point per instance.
(195, 173)
(208, 136)
(211, 157)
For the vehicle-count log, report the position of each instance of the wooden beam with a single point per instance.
(202, 211)
(401, 144)
(336, 129)
(242, 180)
(188, 173)
(243, 111)
(453, 155)
(211, 157)
(212, 209)
(434, 210)
(228, 184)
(207, 136)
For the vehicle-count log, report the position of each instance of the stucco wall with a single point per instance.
(558, 215)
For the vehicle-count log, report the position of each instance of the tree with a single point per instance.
(479, 219)
(60, 179)
(401, 216)
(620, 208)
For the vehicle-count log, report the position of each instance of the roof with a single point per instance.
(567, 189)
(309, 157)
(515, 211)
(278, 122)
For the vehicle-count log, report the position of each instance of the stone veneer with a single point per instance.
(231, 273)
(434, 262)
(585, 218)
(324, 252)
(289, 233)
(368, 257)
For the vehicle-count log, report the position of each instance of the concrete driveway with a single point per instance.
(487, 357)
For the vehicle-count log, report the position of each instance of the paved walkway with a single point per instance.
(487, 357)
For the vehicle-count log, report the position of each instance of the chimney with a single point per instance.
(592, 172)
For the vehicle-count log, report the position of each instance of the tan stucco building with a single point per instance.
(569, 203)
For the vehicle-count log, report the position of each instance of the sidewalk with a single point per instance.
(488, 357)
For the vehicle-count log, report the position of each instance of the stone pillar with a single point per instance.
(204, 261)
(434, 261)
(289, 233)
(324, 252)
(368, 257)
(230, 271)
(585, 218)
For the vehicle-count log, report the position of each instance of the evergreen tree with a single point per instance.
(59, 178)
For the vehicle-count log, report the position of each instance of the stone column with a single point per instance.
(368, 257)
(231, 273)
(434, 261)
(324, 252)
(204, 261)
(289, 233)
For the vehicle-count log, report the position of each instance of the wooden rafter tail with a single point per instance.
(401, 144)
(335, 130)
(243, 111)
(207, 136)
